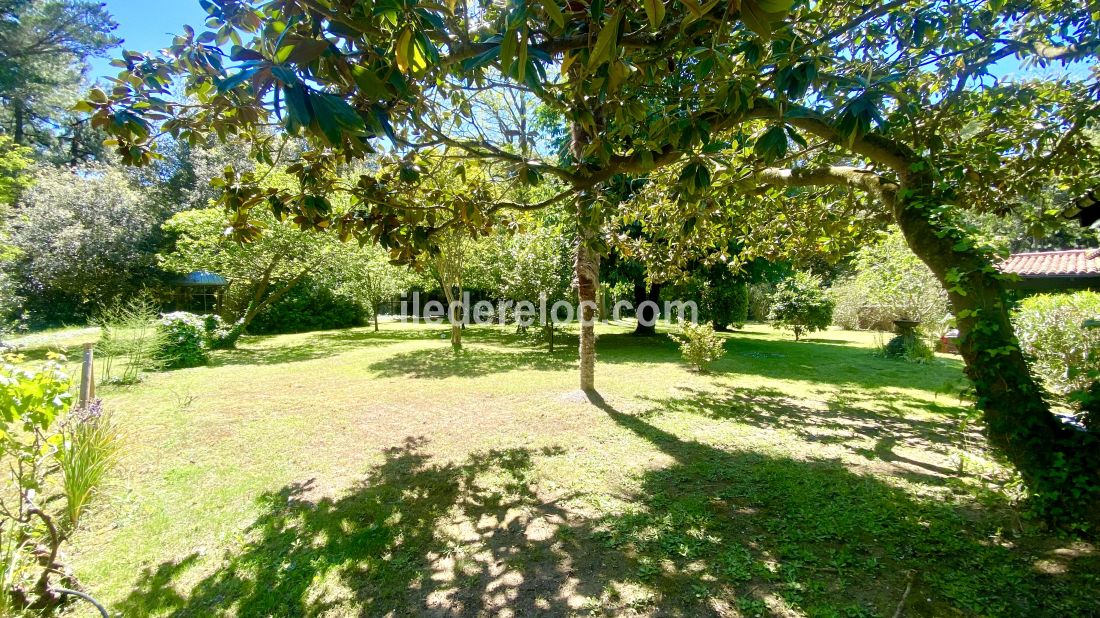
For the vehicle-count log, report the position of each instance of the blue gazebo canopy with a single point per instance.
(202, 278)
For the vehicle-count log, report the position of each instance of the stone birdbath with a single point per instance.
(906, 337)
(907, 328)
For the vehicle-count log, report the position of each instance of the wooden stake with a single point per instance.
(87, 376)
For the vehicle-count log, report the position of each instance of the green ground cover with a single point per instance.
(352, 473)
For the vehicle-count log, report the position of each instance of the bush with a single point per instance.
(801, 305)
(221, 335)
(913, 349)
(726, 303)
(309, 306)
(890, 283)
(37, 440)
(760, 301)
(84, 235)
(185, 341)
(700, 345)
(1063, 352)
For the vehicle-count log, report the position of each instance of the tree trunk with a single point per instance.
(1054, 460)
(375, 311)
(19, 114)
(641, 295)
(587, 266)
(453, 313)
(1061, 466)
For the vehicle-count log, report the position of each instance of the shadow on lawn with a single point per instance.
(713, 533)
(258, 349)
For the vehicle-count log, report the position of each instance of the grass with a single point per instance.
(353, 473)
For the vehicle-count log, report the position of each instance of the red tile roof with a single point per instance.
(1072, 263)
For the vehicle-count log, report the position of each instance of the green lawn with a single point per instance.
(357, 474)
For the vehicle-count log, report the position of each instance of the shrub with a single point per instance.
(890, 283)
(84, 233)
(130, 340)
(801, 305)
(914, 349)
(309, 306)
(726, 303)
(37, 439)
(221, 335)
(1051, 331)
(700, 345)
(90, 444)
(32, 404)
(760, 301)
(185, 340)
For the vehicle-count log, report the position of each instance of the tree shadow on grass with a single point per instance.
(265, 349)
(470, 362)
(488, 351)
(830, 363)
(714, 532)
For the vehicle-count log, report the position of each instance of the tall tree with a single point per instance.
(746, 92)
(44, 50)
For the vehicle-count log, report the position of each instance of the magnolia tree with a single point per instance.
(749, 100)
(262, 272)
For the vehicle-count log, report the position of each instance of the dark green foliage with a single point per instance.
(309, 306)
(185, 344)
(895, 348)
(726, 303)
(908, 347)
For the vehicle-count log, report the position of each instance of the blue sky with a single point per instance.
(147, 25)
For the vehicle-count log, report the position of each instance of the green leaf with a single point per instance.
(521, 56)
(554, 12)
(300, 114)
(369, 83)
(655, 11)
(772, 145)
(606, 41)
(236, 80)
(760, 20)
(775, 6)
(305, 52)
(241, 54)
(508, 50)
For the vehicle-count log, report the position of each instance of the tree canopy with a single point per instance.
(44, 49)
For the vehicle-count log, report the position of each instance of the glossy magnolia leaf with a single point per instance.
(655, 12)
(241, 54)
(606, 41)
(759, 19)
(369, 83)
(306, 51)
(508, 50)
(521, 56)
(772, 145)
(554, 12)
(299, 111)
(567, 60)
(775, 6)
(236, 80)
(858, 115)
(401, 50)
